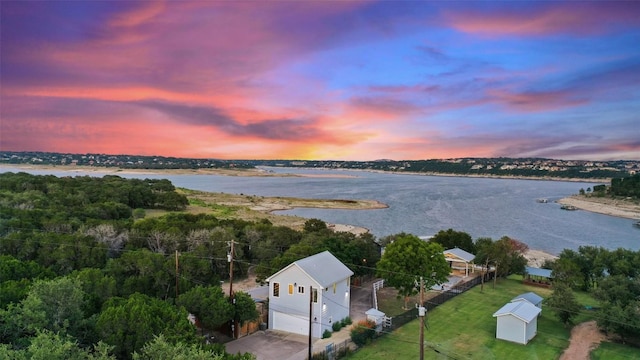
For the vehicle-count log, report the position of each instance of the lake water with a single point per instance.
(423, 205)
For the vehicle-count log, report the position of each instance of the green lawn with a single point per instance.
(612, 351)
(464, 328)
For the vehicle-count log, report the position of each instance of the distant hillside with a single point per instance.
(502, 167)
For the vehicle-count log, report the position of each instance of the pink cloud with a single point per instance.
(579, 18)
(535, 101)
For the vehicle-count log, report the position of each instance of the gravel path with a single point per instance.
(584, 338)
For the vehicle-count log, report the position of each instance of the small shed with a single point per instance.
(531, 297)
(517, 322)
(377, 317)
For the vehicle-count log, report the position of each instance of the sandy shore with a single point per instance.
(613, 207)
(536, 257)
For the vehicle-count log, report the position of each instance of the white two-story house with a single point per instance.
(318, 285)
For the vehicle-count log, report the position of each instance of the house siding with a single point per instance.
(297, 305)
(532, 329)
(337, 303)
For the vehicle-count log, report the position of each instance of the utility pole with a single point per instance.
(421, 313)
(177, 276)
(310, 319)
(230, 260)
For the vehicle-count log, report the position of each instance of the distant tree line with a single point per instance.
(525, 167)
(626, 187)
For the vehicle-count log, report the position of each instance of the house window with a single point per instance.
(300, 289)
(276, 289)
(315, 295)
(290, 289)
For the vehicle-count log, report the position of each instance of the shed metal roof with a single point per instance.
(538, 272)
(464, 255)
(531, 297)
(323, 268)
(523, 310)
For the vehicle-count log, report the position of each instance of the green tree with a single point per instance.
(567, 272)
(208, 304)
(315, 225)
(563, 302)
(244, 308)
(450, 239)
(97, 286)
(55, 305)
(144, 272)
(160, 349)
(407, 259)
(47, 345)
(619, 305)
(128, 324)
(485, 255)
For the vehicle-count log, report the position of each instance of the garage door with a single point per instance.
(294, 324)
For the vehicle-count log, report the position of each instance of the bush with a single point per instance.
(139, 213)
(363, 332)
(326, 334)
(346, 321)
(337, 326)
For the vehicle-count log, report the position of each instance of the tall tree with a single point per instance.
(160, 349)
(128, 324)
(407, 259)
(47, 345)
(563, 302)
(208, 304)
(450, 239)
(244, 308)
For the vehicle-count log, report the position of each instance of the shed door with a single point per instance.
(290, 323)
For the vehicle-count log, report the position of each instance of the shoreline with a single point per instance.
(606, 206)
(261, 172)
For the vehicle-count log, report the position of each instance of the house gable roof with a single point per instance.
(522, 310)
(461, 254)
(324, 268)
(531, 297)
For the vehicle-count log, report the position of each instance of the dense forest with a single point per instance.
(82, 265)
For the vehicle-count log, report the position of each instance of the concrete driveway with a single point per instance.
(273, 344)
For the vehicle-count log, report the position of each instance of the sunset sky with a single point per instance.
(340, 80)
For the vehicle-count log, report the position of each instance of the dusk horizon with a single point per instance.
(344, 81)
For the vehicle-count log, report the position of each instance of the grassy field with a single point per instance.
(612, 351)
(464, 328)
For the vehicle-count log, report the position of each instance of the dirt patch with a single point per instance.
(584, 338)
